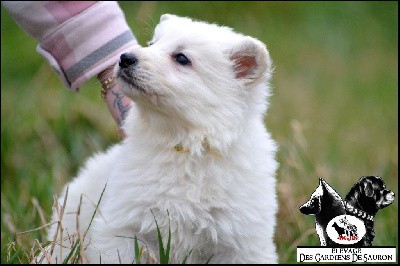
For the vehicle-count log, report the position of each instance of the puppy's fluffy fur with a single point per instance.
(220, 190)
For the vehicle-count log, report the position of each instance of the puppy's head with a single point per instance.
(312, 206)
(199, 75)
(373, 193)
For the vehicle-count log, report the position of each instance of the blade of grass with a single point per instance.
(137, 251)
(16, 255)
(46, 255)
(77, 256)
(119, 257)
(160, 242)
(71, 252)
(169, 239)
(94, 213)
(37, 252)
(141, 252)
(36, 229)
(60, 215)
(209, 259)
(164, 253)
(185, 259)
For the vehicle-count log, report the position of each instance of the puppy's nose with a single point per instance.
(304, 209)
(127, 60)
(390, 196)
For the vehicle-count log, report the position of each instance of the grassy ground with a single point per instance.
(334, 111)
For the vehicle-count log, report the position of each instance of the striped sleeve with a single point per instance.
(78, 38)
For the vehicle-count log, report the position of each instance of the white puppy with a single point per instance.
(197, 154)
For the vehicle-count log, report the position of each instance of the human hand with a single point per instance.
(118, 104)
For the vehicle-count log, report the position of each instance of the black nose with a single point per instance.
(127, 60)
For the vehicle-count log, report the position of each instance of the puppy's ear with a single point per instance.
(165, 17)
(368, 189)
(251, 60)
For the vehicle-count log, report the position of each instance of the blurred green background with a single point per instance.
(334, 110)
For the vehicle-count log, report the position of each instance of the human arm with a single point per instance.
(79, 39)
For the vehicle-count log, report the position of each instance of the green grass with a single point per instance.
(334, 111)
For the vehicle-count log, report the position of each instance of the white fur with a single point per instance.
(220, 205)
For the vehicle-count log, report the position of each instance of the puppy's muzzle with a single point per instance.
(127, 60)
(311, 207)
(389, 197)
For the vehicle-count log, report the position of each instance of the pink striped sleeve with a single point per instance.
(78, 38)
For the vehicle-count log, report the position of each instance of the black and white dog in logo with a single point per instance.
(325, 204)
(364, 200)
(348, 230)
(348, 222)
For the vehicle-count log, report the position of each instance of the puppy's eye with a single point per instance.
(150, 43)
(181, 59)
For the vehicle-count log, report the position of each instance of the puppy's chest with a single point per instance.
(192, 180)
(174, 182)
(203, 199)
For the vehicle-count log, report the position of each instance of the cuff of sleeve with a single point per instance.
(88, 43)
